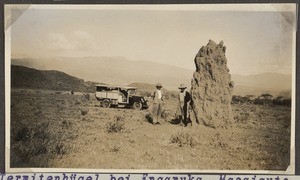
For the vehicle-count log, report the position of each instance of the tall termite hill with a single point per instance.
(212, 87)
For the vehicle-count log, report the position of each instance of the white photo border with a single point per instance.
(203, 7)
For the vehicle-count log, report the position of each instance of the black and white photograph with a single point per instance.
(195, 88)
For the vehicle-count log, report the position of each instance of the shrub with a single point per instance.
(87, 96)
(77, 102)
(84, 111)
(282, 101)
(35, 144)
(119, 118)
(183, 139)
(115, 149)
(242, 117)
(261, 101)
(116, 126)
(219, 142)
(266, 96)
(35, 137)
(66, 123)
(236, 99)
(166, 114)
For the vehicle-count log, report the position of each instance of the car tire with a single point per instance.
(105, 103)
(137, 106)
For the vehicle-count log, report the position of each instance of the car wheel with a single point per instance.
(105, 103)
(137, 106)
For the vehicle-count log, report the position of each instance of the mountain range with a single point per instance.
(113, 70)
(118, 70)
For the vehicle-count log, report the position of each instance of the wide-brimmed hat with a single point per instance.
(158, 85)
(182, 86)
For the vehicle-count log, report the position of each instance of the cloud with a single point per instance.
(60, 42)
(77, 41)
(82, 35)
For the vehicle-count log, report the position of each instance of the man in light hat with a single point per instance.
(184, 104)
(157, 96)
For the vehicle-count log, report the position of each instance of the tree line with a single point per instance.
(263, 99)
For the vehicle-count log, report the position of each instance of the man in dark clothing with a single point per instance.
(184, 98)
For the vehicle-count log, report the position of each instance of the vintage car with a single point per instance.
(120, 96)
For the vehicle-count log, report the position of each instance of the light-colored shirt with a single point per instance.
(159, 94)
(181, 96)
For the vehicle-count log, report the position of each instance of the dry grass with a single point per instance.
(183, 139)
(116, 126)
(39, 131)
(64, 130)
(84, 111)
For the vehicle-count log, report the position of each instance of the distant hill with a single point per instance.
(113, 70)
(121, 71)
(23, 77)
(273, 83)
(268, 80)
(145, 87)
(146, 90)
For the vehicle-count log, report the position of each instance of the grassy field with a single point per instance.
(57, 129)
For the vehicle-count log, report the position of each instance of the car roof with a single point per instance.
(116, 86)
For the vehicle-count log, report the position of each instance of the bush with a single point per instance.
(281, 101)
(264, 99)
(242, 117)
(167, 114)
(77, 102)
(84, 111)
(183, 139)
(260, 101)
(242, 99)
(115, 149)
(87, 96)
(36, 138)
(35, 144)
(116, 126)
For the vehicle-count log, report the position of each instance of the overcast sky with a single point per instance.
(257, 41)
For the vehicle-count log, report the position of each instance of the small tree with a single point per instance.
(278, 101)
(266, 99)
(266, 96)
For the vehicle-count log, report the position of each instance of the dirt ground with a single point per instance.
(57, 129)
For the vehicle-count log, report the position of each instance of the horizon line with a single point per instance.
(128, 59)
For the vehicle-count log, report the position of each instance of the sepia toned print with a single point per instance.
(161, 87)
